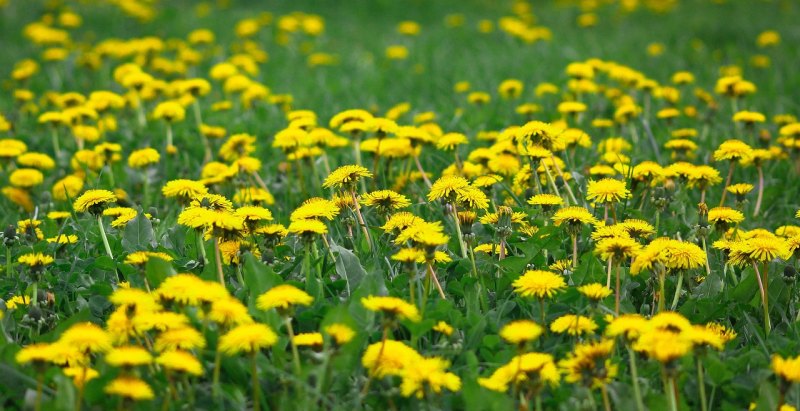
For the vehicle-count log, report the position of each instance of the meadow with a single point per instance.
(482, 205)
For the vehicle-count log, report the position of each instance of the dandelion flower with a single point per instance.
(346, 176)
(607, 190)
(539, 283)
(283, 297)
(573, 325)
(128, 356)
(340, 333)
(428, 374)
(247, 338)
(130, 387)
(393, 307)
(94, 201)
(180, 361)
(521, 332)
(595, 291)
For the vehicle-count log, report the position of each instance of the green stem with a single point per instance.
(56, 145)
(705, 250)
(481, 283)
(411, 283)
(678, 289)
(79, 400)
(606, 401)
(727, 183)
(201, 248)
(34, 293)
(37, 406)
(169, 137)
(323, 373)
(215, 379)
(361, 222)
(256, 387)
(673, 402)
(637, 392)
(103, 236)
(661, 290)
(218, 261)
(239, 276)
(145, 192)
(8, 261)
(619, 286)
(458, 232)
(762, 284)
(701, 384)
(574, 251)
(295, 354)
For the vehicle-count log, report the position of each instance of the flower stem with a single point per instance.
(295, 354)
(701, 385)
(436, 281)
(199, 121)
(169, 138)
(215, 379)
(574, 251)
(661, 290)
(541, 311)
(762, 285)
(35, 293)
(54, 136)
(8, 261)
(678, 289)
(145, 192)
(201, 249)
(606, 401)
(616, 302)
(673, 401)
(218, 261)
(37, 406)
(422, 171)
(103, 236)
(458, 232)
(760, 190)
(254, 377)
(705, 250)
(361, 219)
(727, 183)
(637, 391)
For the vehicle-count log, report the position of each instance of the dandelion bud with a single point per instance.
(789, 273)
(35, 313)
(9, 235)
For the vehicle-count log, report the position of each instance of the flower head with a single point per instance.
(247, 338)
(595, 291)
(131, 388)
(94, 201)
(521, 331)
(607, 190)
(346, 176)
(283, 297)
(539, 283)
(573, 325)
(392, 307)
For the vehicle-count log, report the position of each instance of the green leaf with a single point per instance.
(349, 267)
(157, 270)
(258, 276)
(767, 396)
(747, 287)
(138, 235)
(105, 263)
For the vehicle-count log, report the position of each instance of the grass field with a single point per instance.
(480, 205)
